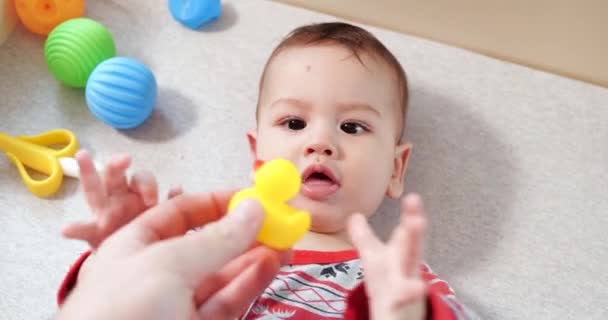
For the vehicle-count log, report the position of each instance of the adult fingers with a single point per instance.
(169, 219)
(237, 295)
(232, 270)
(217, 243)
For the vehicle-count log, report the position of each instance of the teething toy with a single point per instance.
(275, 183)
(41, 16)
(33, 152)
(121, 92)
(194, 13)
(75, 47)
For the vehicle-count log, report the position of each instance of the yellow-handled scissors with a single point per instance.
(35, 152)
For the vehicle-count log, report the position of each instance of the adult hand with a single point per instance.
(148, 270)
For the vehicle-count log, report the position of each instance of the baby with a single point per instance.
(333, 100)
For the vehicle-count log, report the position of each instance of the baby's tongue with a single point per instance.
(318, 187)
(318, 182)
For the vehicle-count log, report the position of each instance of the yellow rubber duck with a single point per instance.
(276, 182)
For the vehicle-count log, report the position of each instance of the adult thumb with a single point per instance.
(207, 250)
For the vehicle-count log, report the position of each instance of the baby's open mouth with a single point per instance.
(318, 182)
(318, 178)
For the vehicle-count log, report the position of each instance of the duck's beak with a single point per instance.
(257, 164)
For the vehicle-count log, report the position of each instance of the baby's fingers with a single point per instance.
(86, 231)
(144, 184)
(174, 192)
(411, 232)
(410, 292)
(362, 236)
(90, 181)
(411, 206)
(114, 173)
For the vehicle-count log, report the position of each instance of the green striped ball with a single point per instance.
(75, 47)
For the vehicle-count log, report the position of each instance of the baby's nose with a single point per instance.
(321, 148)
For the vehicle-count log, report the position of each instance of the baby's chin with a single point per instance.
(326, 216)
(326, 227)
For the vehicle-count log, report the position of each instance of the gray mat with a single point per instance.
(512, 162)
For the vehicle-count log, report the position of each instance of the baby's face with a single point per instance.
(336, 120)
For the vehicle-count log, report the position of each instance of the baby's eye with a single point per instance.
(294, 124)
(353, 128)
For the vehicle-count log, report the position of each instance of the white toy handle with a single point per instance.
(70, 167)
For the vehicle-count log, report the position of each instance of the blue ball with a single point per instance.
(121, 92)
(195, 13)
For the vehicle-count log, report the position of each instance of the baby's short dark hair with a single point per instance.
(354, 38)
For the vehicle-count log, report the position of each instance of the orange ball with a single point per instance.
(42, 16)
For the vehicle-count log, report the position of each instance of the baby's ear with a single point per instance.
(252, 139)
(402, 156)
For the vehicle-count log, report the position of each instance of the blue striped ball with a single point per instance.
(121, 92)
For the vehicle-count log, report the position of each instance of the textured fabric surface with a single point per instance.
(512, 162)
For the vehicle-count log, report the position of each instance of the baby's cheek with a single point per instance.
(267, 152)
(370, 200)
(271, 147)
(372, 190)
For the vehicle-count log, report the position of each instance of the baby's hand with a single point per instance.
(115, 201)
(392, 270)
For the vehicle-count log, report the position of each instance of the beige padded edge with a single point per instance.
(8, 19)
(561, 36)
